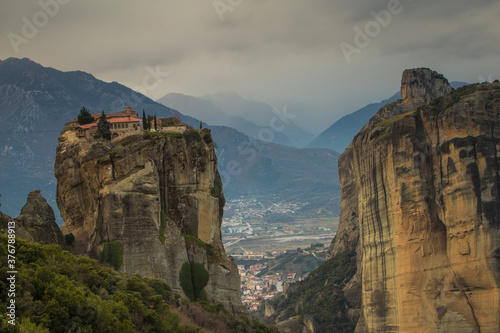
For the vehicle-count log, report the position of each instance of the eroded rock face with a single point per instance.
(421, 204)
(146, 194)
(420, 86)
(36, 223)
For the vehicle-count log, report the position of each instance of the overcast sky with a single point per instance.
(283, 51)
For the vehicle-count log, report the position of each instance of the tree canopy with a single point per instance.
(59, 292)
(103, 127)
(84, 117)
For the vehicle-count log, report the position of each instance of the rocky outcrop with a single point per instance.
(158, 196)
(37, 222)
(421, 207)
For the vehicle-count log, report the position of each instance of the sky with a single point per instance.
(331, 57)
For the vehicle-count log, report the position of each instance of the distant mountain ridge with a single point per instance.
(36, 102)
(340, 134)
(251, 167)
(256, 119)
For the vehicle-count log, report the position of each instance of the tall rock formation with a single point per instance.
(155, 198)
(421, 207)
(37, 222)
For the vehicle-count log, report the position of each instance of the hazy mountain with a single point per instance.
(271, 121)
(208, 112)
(340, 134)
(251, 167)
(35, 103)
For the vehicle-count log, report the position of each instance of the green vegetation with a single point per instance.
(207, 138)
(196, 240)
(111, 254)
(69, 239)
(103, 127)
(192, 135)
(174, 135)
(59, 292)
(392, 120)
(217, 188)
(163, 220)
(442, 103)
(144, 121)
(379, 134)
(321, 297)
(186, 280)
(193, 278)
(84, 117)
(213, 253)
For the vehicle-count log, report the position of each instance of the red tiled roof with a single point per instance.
(123, 117)
(123, 120)
(87, 125)
(112, 120)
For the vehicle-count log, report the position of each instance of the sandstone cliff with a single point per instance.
(158, 196)
(421, 207)
(36, 223)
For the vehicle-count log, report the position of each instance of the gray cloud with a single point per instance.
(286, 50)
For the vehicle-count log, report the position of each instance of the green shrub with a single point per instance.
(213, 253)
(111, 254)
(192, 135)
(193, 279)
(175, 135)
(69, 239)
(217, 188)
(392, 120)
(321, 295)
(186, 280)
(207, 138)
(60, 292)
(200, 279)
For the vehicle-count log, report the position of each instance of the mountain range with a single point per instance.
(255, 119)
(36, 102)
(340, 134)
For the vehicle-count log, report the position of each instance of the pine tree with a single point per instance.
(103, 127)
(84, 117)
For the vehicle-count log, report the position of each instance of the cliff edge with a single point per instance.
(420, 188)
(153, 201)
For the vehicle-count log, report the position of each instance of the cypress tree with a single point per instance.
(84, 117)
(104, 127)
(144, 120)
(156, 126)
